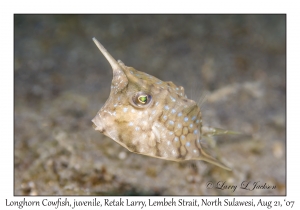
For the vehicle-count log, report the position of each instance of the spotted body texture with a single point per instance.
(149, 116)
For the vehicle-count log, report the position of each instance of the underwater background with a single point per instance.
(234, 64)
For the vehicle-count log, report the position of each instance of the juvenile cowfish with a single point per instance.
(151, 117)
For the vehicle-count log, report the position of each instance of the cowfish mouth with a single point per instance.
(98, 125)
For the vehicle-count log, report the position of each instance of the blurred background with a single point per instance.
(234, 64)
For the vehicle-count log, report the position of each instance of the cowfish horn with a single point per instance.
(120, 80)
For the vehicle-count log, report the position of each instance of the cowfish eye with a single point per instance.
(141, 99)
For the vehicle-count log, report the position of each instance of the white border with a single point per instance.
(154, 6)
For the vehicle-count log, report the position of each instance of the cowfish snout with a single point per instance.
(98, 125)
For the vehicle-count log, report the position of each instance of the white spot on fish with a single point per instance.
(171, 122)
(145, 123)
(137, 128)
(125, 109)
(114, 113)
(173, 99)
(186, 119)
(179, 125)
(153, 112)
(191, 125)
(173, 111)
(176, 139)
(156, 103)
(195, 151)
(188, 144)
(193, 118)
(165, 117)
(195, 131)
(169, 143)
(197, 121)
(130, 123)
(171, 133)
(179, 114)
(182, 137)
(115, 105)
(167, 107)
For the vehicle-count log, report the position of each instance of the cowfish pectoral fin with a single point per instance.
(210, 131)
